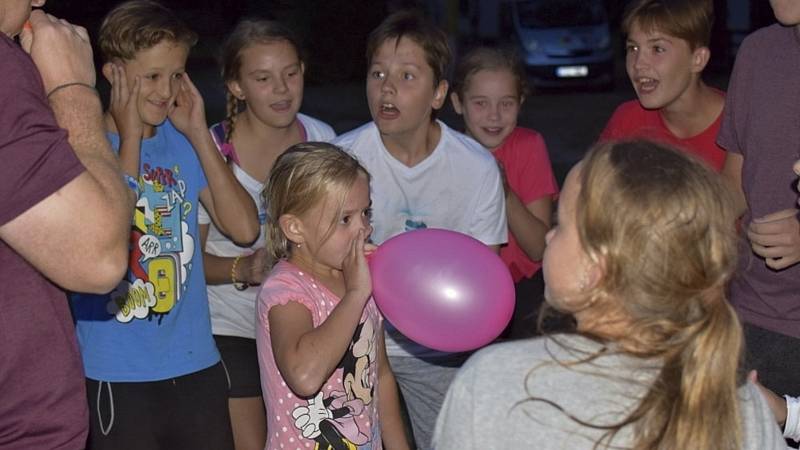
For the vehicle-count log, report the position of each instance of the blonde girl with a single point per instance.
(263, 73)
(489, 88)
(644, 246)
(324, 372)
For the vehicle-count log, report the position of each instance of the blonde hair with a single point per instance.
(661, 224)
(302, 177)
(138, 25)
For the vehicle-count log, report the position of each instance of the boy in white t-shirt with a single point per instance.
(424, 175)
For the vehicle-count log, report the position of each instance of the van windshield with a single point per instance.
(560, 13)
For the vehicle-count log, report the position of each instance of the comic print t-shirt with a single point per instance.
(155, 325)
(344, 413)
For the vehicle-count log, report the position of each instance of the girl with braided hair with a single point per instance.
(263, 71)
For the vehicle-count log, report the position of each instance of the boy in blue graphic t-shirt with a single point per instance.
(154, 377)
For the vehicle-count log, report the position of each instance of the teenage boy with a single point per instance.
(424, 175)
(666, 52)
(154, 377)
(761, 133)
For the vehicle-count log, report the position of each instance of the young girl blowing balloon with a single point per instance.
(644, 246)
(324, 372)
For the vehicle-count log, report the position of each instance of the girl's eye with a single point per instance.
(293, 73)
(152, 76)
(507, 104)
(631, 48)
(408, 76)
(177, 76)
(367, 213)
(346, 220)
(480, 103)
(659, 49)
(377, 74)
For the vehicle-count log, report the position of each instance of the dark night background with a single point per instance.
(334, 31)
(334, 36)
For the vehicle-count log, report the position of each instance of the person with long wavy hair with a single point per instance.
(644, 246)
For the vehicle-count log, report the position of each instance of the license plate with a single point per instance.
(572, 71)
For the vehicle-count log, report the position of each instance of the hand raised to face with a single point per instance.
(123, 104)
(60, 50)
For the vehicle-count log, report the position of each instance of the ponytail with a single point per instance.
(694, 404)
(666, 261)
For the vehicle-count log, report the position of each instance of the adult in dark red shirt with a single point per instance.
(64, 217)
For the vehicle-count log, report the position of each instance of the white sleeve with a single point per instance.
(202, 215)
(489, 224)
(792, 428)
(316, 130)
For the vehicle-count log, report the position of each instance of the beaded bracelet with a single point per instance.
(237, 284)
(74, 83)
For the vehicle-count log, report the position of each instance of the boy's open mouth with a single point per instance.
(389, 108)
(646, 84)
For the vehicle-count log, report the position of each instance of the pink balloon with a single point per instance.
(442, 289)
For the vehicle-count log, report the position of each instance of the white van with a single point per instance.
(564, 41)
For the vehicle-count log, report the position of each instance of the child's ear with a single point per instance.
(700, 58)
(440, 95)
(596, 272)
(107, 71)
(109, 66)
(235, 89)
(456, 103)
(292, 228)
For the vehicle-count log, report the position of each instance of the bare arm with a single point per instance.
(529, 223)
(776, 404)
(123, 117)
(251, 269)
(306, 356)
(392, 429)
(89, 256)
(227, 202)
